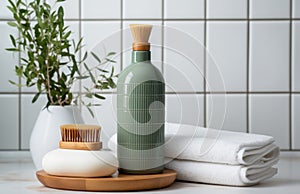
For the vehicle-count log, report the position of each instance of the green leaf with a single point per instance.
(102, 70)
(90, 111)
(70, 97)
(110, 60)
(89, 95)
(35, 97)
(12, 4)
(13, 41)
(19, 71)
(96, 104)
(99, 96)
(67, 35)
(110, 54)
(111, 83)
(63, 76)
(78, 45)
(74, 67)
(86, 89)
(13, 49)
(48, 103)
(85, 56)
(12, 82)
(12, 24)
(61, 13)
(96, 57)
(112, 71)
(82, 77)
(90, 73)
(64, 54)
(39, 85)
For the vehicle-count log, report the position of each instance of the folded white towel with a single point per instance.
(188, 142)
(223, 174)
(218, 146)
(231, 158)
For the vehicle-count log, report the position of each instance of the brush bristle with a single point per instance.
(140, 32)
(80, 133)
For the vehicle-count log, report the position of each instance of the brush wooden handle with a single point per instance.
(80, 126)
(80, 145)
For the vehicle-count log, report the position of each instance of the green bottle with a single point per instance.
(141, 110)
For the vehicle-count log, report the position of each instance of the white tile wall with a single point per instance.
(296, 121)
(269, 56)
(194, 35)
(227, 112)
(185, 109)
(134, 9)
(184, 9)
(101, 9)
(223, 30)
(269, 115)
(9, 122)
(94, 32)
(296, 56)
(269, 8)
(71, 8)
(29, 114)
(194, 29)
(296, 8)
(4, 12)
(184, 57)
(226, 9)
(227, 56)
(8, 59)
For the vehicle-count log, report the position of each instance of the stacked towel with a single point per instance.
(217, 156)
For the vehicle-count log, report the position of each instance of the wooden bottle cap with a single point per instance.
(140, 46)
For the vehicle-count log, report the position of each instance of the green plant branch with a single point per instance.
(45, 44)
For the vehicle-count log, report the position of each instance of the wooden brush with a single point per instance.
(80, 137)
(141, 34)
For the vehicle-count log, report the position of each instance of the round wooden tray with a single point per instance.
(122, 182)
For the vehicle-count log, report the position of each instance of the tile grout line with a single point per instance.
(205, 66)
(121, 38)
(290, 76)
(173, 19)
(184, 92)
(248, 70)
(163, 37)
(178, 19)
(80, 51)
(20, 106)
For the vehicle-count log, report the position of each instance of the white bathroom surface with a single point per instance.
(17, 176)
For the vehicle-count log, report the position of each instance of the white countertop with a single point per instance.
(17, 176)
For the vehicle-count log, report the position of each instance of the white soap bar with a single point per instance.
(80, 163)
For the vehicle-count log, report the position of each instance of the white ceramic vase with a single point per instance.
(45, 135)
